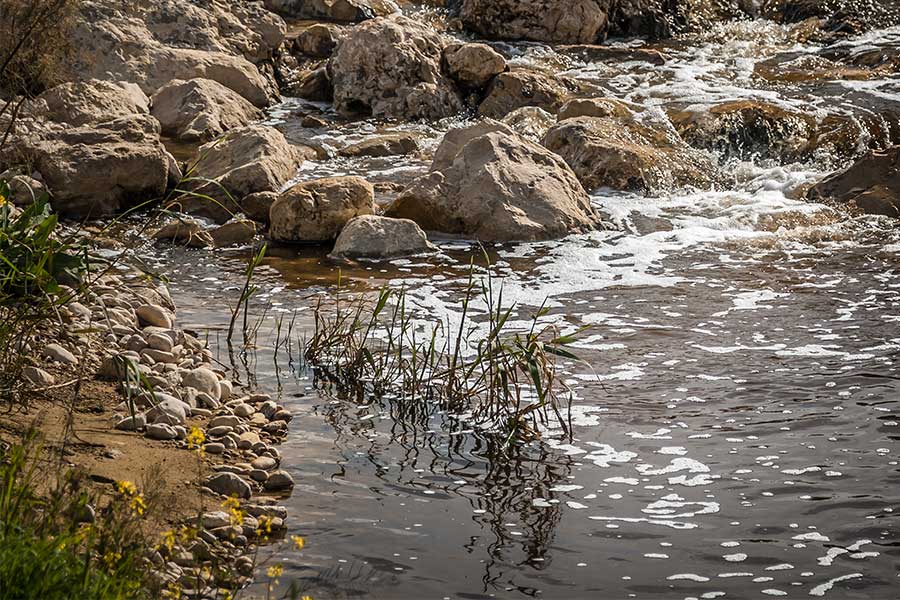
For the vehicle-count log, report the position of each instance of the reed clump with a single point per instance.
(486, 370)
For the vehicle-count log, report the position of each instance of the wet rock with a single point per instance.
(530, 122)
(473, 66)
(37, 377)
(132, 423)
(200, 109)
(79, 103)
(518, 88)
(625, 154)
(229, 484)
(593, 107)
(259, 475)
(256, 206)
(318, 40)
(393, 144)
(184, 231)
(203, 380)
(612, 54)
(317, 210)
(839, 18)
(56, 353)
(153, 315)
(97, 170)
(314, 85)
(279, 481)
(245, 161)
(499, 187)
(348, 11)
(233, 233)
(375, 237)
(872, 184)
(553, 21)
(391, 67)
(161, 431)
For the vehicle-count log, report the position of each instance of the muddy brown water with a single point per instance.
(736, 418)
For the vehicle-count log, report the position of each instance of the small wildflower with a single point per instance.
(265, 526)
(111, 558)
(299, 542)
(126, 488)
(138, 506)
(306, 598)
(275, 571)
(233, 506)
(195, 438)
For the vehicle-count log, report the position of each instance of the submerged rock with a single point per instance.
(391, 67)
(234, 232)
(374, 237)
(316, 211)
(393, 144)
(872, 184)
(184, 231)
(499, 187)
(625, 154)
(200, 109)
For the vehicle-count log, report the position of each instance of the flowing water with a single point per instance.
(737, 414)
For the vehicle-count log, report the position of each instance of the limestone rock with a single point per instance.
(872, 184)
(318, 40)
(93, 101)
(554, 21)
(56, 353)
(593, 107)
(625, 154)
(499, 187)
(203, 380)
(349, 11)
(456, 138)
(392, 144)
(515, 89)
(473, 65)
(391, 67)
(376, 237)
(184, 231)
(98, 170)
(317, 210)
(245, 161)
(200, 109)
(156, 316)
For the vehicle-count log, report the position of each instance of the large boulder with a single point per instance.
(348, 11)
(317, 211)
(872, 184)
(200, 109)
(514, 89)
(391, 67)
(553, 21)
(97, 170)
(92, 101)
(244, 161)
(627, 154)
(372, 237)
(152, 43)
(499, 187)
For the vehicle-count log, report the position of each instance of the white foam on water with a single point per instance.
(822, 589)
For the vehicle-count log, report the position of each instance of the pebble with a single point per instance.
(214, 448)
(247, 439)
(161, 431)
(244, 410)
(203, 380)
(259, 475)
(264, 463)
(219, 430)
(129, 423)
(36, 376)
(213, 520)
(57, 353)
(229, 484)
(279, 480)
(161, 342)
(151, 314)
(229, 420)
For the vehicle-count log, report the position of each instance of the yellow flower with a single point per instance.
(138, 506)
(195, 437)
(169, 539)
(265, 526)
(299, 542)
(306, 598)
(233, 505)
(126, 488)
(275, 571)
(111, 558)
(2, 199)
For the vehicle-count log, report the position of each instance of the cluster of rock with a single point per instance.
(125, 331)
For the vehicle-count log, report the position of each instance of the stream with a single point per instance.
(737, 406)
